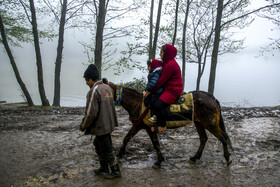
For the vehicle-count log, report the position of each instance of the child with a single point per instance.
(154, 67)
(100, 120)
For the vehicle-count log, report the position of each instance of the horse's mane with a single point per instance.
(132, 91)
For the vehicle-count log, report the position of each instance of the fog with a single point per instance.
(243, 79)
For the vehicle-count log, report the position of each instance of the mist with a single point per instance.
(244, 79)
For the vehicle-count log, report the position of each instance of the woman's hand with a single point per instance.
(145, 94)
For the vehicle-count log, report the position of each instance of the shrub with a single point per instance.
(137, 84)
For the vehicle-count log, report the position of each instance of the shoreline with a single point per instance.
(228, 113)
(4, 104)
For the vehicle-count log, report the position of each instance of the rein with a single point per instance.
(140, 119)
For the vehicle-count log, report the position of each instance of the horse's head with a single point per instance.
(125, 92)
(112, 85)
(130, 99)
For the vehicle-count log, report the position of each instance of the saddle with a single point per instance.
(179, 114)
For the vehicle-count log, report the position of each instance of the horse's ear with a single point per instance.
(105, 80)
(112, 85)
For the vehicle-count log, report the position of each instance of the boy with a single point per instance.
(100, 120)
(154, 67)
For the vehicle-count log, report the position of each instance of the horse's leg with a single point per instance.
(132, 132)
(221, 135)
(226, 153)
(154, 138)
(203, 139)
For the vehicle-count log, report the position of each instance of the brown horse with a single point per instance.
(207, 115)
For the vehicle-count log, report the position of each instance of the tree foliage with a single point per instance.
(272, 14)
(110, 26)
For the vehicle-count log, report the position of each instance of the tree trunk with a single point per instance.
(201, 65)
(199, 73)
(99, 35)
(157, 29)
(151, 30)
(44, 99)
(176, 23)
(56, 99)
(184, 43)
(214, 58)
(13, 63)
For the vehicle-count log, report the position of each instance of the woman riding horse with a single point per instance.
(171, 80)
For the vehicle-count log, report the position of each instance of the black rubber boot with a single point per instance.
(115, 172)
(103, 169)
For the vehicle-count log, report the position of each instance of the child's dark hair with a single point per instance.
(91, 73)
(149, 62)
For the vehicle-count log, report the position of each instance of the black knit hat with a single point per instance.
(91, 73)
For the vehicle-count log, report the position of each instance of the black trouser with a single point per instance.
(104, 149)
(159, 110)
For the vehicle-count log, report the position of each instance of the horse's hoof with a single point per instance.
(192, 160)
(229, 161)
(156, 165)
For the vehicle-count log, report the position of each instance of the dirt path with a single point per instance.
(42, 147)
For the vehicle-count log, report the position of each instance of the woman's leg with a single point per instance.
(159, 109)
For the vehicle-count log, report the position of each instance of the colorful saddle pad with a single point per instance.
(179, 115)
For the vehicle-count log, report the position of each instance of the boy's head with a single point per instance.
(91, 75)
(156, 63)
(149, 63)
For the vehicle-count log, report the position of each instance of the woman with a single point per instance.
(171, 80)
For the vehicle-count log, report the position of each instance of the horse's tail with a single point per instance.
(222, 126)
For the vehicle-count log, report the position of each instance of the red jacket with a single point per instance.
(171, 77)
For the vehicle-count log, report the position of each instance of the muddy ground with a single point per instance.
(42, 147)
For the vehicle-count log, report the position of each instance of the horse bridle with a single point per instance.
(118, 97)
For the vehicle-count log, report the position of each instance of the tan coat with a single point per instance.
(101, 117)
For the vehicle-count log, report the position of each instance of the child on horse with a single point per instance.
(154, 68)
(172, 82)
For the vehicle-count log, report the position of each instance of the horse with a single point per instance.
(207, 116)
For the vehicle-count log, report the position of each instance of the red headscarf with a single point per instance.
(169, 52)
(156, 63)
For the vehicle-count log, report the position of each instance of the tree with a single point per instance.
(13, 63)
(33, 21)
(58, 61)
(68, 11)
(235, 16)
(176, 21)
(156, 30)
(201, 30)
(184, 41)
(272, 13)
(105, 19)
(215, 51)
(151, 29)
(102, 9)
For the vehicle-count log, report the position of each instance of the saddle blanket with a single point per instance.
(178, 115)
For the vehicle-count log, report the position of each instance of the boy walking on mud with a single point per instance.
(100, 120)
